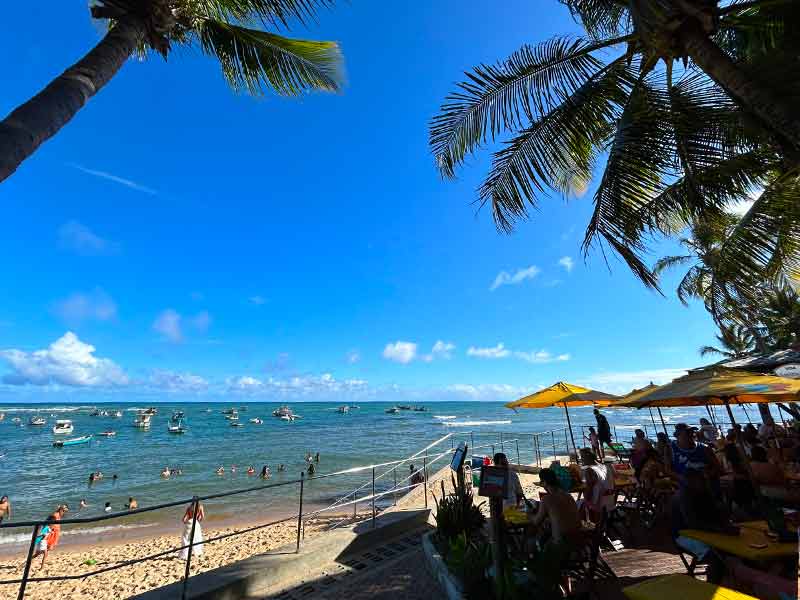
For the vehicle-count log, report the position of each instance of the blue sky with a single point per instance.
(207, 243)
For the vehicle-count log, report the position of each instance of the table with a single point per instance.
(684, 587)
(740, 545)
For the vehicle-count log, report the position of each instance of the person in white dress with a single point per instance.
(188, 516)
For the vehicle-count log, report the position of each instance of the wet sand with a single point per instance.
(135, 579)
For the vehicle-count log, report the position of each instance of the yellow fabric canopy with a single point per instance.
(563, 394)
(716, 386)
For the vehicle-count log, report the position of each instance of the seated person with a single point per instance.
(742, 493)
(650, 469)
(664, 449)
(765, 472)
(640, 446)
(708, 433)
(514, 494)
(558, 509)
(600, 495)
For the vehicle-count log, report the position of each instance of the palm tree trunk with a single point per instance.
(769, 106)
(40, 118)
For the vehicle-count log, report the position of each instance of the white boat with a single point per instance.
(256, 421)
(393, 411)
(179, 428)
(235, 424)
(63, 427)
(84, 439)
(150, 411)
(290, 417)
(37, 420)
(142, 420)
(283, 411)
(2, 416)
(228, 411)
(117, 414)
(343, 409)
(232, 417)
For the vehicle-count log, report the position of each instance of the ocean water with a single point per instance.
(38, 476)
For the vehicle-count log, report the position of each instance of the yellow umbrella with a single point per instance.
(626, 402)
(564, 394)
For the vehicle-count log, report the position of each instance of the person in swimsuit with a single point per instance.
(49, 534)
(5, 509)
(132, 504)
(251, 470)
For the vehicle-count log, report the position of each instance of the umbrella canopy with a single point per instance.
(715, 386)
(563, 394)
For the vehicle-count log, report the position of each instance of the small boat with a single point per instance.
(63, 427)
(177, 416)
(256, 421)
(343, 409)
(2, 416)
(104, 413)
(404, 407)
(142, 420)
(232, 417)
(16, 420)
(109, 433)
(94, 413)
(420, 409)
(283, 411)
(84, 439)
(151, 411)
(37, 421)
(289, 418)
(179, 428)
(235, 424)
(117, 414)
(393, 411)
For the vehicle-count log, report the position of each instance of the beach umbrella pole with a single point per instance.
(660, 416)
(653, 419)
(740, 444)
(571, 435)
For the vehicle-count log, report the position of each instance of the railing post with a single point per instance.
(471, 441)
(553, 439)
(300, 511)
(24, 583)
(492, 451)
(373, 497)
(395, 485)
(425, 477)
(517, 443)
(566, 444)
(615, 433)
(502, 447)
(195, 508)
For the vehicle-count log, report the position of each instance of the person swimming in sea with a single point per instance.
(316, 457)
(311, 469)
(132, 504)
(281, 468)
(233, 469)
(221, 470)
(251, 470)
(265, 473)
(165, 473)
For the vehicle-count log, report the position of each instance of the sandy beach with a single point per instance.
(135, 579)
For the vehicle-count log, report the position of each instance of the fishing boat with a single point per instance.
(420, 409)
(290, 418)
(393, 411)
(179, 428)
(256, 421)
(177, 415)
(151, 411)
(117, 414)
(235, 424)
(37, 420)
(94, 413)
(63, 427)
(109, 433)
(404, 407)
(343, 409)
(283, 411)
(142, 420)
(84, 439)
(232, 417)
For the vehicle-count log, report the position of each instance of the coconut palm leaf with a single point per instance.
(600, 18)
(504, 96)
(273, 12)
(254, 60)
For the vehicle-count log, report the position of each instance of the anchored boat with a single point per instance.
(179, 428)
(37, 420)
(63, 427)
(108, 433)
(142, 420)
(84, 439)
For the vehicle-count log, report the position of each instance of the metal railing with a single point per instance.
(540, 445)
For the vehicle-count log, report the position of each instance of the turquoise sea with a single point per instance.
(37, 476)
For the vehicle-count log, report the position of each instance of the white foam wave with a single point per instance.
(628, 426)
(45, 409)
(17, 538)
(444, 417)
(474, 423)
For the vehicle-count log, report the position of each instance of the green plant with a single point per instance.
(457, 514)
(469, 558)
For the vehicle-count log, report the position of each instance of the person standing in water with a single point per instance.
(5, 509)
(197, 540)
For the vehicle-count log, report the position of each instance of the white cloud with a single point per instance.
(78, 238)
(741, 206)
(353, 357)
(567, 263)
(506, 278)
(177, 382)
(244, 383)
(168, 324)
(401, 352)
(487, 391)
(78, 307)
(443, 349)
(541, 356)
(499, 351)
(622, 382)
(201, 321)
(67, 361)
(298, 385)
(116, 179)
(257, 300)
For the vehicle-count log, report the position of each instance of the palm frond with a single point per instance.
(671, 262)
(601, 18)
(558, 150)
(510, 94)
(255, 61)
(274, 12)
(706, 350)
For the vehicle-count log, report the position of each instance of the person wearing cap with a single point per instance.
(688, 455)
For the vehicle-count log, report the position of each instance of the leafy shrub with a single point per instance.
(469, 560)
(457, 514)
